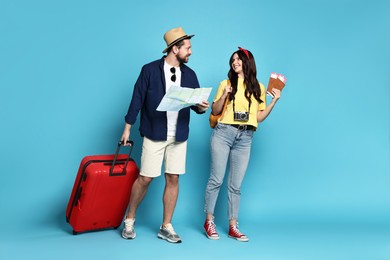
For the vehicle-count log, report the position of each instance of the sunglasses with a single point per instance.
(173, 78)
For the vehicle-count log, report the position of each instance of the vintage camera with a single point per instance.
(241, 116)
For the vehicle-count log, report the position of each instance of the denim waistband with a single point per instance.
(244, 127)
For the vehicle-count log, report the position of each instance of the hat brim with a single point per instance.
(178, 40)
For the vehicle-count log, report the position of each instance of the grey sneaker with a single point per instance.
(128, 231)
(168, 233)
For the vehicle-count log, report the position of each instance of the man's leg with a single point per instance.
(175, 158)
(151, 161)
(138, 192)
(171, 193)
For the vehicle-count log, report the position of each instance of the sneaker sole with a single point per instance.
(240, 239)
(212, 237)
(167, 239)
(129, 238)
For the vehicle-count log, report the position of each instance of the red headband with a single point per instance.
(245, 51)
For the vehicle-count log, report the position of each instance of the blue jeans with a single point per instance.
(227, 143)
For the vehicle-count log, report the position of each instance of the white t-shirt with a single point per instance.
(171, 115)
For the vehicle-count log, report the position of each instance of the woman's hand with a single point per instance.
(227, 91)
(263, 114)
(276, 94)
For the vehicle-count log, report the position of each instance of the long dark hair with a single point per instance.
(250, 74)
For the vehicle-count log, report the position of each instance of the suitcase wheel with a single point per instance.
(74, 232)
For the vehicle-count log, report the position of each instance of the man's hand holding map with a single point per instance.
(179, 97)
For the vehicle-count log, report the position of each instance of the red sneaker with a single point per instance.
(210, 229)
(236, 234)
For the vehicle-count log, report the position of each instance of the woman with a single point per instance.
(232, 137)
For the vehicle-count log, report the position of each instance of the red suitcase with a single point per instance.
(101, 191)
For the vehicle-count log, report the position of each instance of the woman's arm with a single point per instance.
(217, 106)
(263, 114)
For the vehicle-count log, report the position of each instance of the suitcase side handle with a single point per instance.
(116, 155)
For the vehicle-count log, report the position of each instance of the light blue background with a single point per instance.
(318, 184)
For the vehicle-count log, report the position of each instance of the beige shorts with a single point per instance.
(154, 152)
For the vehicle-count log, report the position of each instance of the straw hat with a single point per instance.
(175, 35)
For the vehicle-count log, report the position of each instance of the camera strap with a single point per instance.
(234, 107)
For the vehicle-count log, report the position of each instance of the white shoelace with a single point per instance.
(212, 227)
(129, 224)
(169, 227)
(235, 229)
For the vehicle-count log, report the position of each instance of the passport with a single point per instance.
(277, 81)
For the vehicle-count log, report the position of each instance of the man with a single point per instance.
(165, 133)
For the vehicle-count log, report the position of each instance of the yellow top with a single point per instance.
(241, 104)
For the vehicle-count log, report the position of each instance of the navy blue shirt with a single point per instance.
(147, 95)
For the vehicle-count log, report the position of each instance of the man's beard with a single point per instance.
(182, 60)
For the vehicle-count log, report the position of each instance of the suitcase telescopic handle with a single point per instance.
(116, 155)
